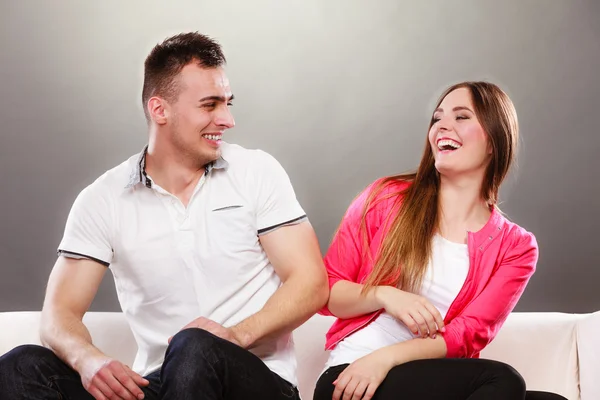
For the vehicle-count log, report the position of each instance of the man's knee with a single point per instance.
(196, 345)
(26, 356)
(193, 355)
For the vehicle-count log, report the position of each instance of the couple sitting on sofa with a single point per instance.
(215, 262)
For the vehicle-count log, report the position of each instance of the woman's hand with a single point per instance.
(361, 378)
(414, 311)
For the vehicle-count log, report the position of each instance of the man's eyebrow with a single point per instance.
(216, 98)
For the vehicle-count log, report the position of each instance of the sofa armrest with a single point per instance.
(543, 348)
(588, 349)
(21, 327)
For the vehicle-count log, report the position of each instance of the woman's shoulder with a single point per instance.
(379, 199)
(516, 237)
(388, 187)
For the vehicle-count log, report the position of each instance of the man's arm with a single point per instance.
(85, 253)
(71, 288)
(294, 252)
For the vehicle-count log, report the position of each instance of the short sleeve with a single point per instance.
(88, 229)
(276, 202)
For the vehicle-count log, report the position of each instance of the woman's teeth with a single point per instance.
(448, 145)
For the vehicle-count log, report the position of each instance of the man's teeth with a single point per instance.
(213, 137)
(445, 144)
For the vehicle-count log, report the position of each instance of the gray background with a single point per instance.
(339, 91)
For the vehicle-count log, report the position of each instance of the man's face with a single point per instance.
(200, 114)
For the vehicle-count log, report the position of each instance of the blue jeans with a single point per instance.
(198, 366)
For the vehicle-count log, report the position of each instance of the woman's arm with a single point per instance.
(349, 255)
(477, 325)
(362, 378)
(345, 256)
(416, 349)
(416, 312)
(346, 300)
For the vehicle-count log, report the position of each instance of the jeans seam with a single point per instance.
(289, 387)
(52, 383)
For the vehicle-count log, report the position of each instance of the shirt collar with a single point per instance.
(138, 171)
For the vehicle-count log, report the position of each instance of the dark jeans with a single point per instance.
(444, 379)
(198, 366)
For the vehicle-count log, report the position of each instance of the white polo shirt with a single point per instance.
(172, 264)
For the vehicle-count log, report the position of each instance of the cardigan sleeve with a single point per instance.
(473, 329)
(349, 247)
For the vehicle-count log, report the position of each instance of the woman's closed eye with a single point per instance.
(436, 119)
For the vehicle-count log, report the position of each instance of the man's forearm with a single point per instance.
(291, 305)
(66, 335)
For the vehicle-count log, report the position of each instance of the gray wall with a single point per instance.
(339, 91)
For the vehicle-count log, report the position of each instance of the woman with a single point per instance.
(424, 269)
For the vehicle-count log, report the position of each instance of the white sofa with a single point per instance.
(553, 351)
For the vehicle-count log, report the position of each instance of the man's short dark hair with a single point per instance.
(167, 59)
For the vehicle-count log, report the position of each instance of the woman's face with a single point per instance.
(459, 144)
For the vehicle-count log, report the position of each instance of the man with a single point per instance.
(213, 258)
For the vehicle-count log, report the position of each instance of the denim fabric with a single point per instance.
(198, 365)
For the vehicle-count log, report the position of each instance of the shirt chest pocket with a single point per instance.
(230, 227)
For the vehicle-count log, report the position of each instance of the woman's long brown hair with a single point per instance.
(406, 250)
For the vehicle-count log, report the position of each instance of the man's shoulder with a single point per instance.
(115, 179)
(236, 153)
(239, 157)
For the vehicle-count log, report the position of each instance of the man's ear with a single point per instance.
(157, 108)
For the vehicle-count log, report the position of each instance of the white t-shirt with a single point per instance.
(173, 264)
(446, 275)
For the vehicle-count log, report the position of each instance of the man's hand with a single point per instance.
(361, 378)
(214, 328)
(108, 379)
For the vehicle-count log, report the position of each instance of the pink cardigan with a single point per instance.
(502, 258)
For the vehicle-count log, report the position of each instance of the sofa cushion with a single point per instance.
(109, 330)
(543, 347)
